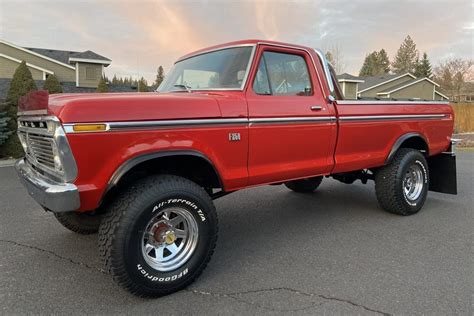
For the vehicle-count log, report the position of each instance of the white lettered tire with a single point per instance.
(402, 186)
(159, 235)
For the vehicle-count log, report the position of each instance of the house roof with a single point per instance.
(372, 81)
(406, 84)
(348, 78)
(64, 56)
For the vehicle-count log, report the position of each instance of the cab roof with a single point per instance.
(241, 43)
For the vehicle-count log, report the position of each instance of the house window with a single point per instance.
(91, 73)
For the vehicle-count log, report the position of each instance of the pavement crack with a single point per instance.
(233, 295)
(85, 265)
(332, 298)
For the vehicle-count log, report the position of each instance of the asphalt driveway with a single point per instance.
(331, 252)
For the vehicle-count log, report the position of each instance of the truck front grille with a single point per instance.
(38, 143)
(40, 149)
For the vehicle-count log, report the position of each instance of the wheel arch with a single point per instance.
(159, 161)
(410, 140)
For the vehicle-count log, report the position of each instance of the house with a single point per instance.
(84, 69)
(389, 86)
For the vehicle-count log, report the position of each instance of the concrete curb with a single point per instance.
(7, 162)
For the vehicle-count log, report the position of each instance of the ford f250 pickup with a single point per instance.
(142, 169)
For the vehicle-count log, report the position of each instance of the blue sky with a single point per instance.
(140, 35)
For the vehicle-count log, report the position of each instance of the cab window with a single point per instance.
(282, 74)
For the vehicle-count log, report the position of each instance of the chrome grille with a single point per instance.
(46, 147)
(40, 148)
(38, 142)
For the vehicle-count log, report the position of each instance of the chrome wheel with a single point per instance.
(169, 239)
(413, 182)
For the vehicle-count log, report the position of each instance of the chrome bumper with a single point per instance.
(54, 196)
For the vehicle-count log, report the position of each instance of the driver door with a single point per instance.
(292, 128)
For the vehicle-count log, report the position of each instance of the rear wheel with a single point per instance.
(308, 185)
(81, 223)
(159, 235)
(402, 186)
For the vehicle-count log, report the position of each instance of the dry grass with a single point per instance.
(464, 117)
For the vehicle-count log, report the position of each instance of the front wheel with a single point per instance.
(402, 186)
(159, 236)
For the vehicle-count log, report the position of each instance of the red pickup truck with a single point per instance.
(142, 169)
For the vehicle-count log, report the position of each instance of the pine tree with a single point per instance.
(52, 85)
(142, 85)
(383, 63)
(375, 64)
(159, 77)
(102, 86)
(423, 67)
(368, 66)
(405, 60)
(21, 83)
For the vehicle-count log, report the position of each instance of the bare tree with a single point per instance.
(452, 74)
(336, 58)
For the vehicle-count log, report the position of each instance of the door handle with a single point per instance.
(316, 108)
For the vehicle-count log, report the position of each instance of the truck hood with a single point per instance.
(112, 107)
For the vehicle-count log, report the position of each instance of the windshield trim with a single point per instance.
(247, 70)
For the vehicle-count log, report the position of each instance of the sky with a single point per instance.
(140, 35)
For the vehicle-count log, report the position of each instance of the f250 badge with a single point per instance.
(233, 137)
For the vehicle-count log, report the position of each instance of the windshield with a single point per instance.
(224, 69)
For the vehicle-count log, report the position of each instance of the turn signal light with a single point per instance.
(89, 127)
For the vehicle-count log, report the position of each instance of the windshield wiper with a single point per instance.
(183, 86)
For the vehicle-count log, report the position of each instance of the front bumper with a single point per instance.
(54, 196)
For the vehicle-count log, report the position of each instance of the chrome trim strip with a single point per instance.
(33, 112)
(327, 73)
(382, 102)
(117, 126)
(391, 117)
(292, 119)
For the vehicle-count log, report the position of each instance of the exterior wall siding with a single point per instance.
(422, 90)
(350, 90)
(8, 67)
(62, 73)
(372, 93)
(86, 69)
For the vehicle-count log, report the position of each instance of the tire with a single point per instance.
(81, 223)
(144, 220)
(402, 186)
(308, 185)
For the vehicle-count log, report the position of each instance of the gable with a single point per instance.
(382, 85)
(62, 71)
(423, 89)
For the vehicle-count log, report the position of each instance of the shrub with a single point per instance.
(52, 85)
(102, 87)
(22, 83)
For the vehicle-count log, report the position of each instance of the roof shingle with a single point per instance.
(63, 55)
